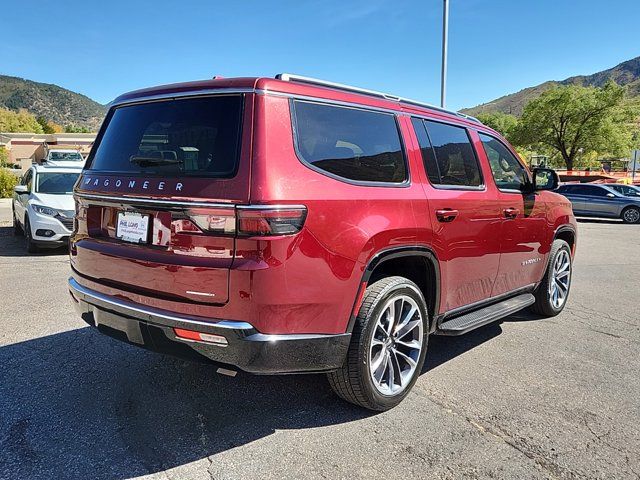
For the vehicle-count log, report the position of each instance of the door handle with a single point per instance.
(446, 215)
(511, 212)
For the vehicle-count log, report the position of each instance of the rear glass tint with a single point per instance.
(186, 137)
(354, 144)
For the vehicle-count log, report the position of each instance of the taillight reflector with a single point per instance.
(194, 336)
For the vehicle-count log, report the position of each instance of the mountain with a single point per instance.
(627, 73)
(55, 103)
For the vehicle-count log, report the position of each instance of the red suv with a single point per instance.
(293, 225)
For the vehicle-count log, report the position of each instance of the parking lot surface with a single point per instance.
(525, 398)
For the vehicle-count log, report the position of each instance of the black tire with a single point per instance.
(17, 229)
(544, 304)
(353, 381)
(31, 246)
(631, 215)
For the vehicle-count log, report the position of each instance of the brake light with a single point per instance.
(246, 221)
(214, 220)
(270, 221)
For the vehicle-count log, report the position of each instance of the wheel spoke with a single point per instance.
(412, 344)
(391, 377)
(412, 363)
(376, 362)
(378, 373)
(408, 328)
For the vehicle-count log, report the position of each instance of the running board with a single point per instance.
(478, 318)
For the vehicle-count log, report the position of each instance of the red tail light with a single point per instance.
(259, 221)
(246, 221)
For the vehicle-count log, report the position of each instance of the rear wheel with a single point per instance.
(553, 291)
(30, 244)
(388, 346)
(631, 215)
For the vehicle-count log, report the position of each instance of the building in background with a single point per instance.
(26, 148)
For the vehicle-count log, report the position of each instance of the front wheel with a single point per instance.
(631, 215)
(388, 346)
(28, 239)
(552, 293)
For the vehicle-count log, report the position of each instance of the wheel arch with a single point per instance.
(405, 261)
(568, 234)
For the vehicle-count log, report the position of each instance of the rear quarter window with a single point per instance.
(349, 143)
(186, 137)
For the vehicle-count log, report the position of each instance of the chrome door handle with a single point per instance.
(446, 215)
(511, 212)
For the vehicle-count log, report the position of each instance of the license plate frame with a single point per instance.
(133, 227)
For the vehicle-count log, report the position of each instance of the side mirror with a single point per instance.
(21, 189)
(545, 179)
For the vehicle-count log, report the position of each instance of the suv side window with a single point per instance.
(448, 155)
(508, 172)
(350, 143)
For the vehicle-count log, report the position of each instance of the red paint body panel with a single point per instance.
(308, 282)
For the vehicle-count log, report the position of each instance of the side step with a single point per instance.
(478, 318)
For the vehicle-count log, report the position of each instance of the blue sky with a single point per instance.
(102, 49)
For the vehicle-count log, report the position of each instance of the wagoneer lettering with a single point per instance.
(293, 225)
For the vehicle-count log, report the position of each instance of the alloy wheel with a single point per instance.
(632, 215)
(397, 342)
(560, 279)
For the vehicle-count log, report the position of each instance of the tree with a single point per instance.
(46, 128)
(20, 121)
(575, 120)
(76, 129)
(501, 122)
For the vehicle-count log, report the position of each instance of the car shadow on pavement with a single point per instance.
(601, 220)
(14, 246)
(442, 349)
(81, 405)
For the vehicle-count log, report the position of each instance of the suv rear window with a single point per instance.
(186, 137)
(350, 143)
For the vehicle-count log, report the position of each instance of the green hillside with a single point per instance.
(626, 73)
(55, 103)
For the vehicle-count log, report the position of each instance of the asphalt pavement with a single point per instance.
(524, 398)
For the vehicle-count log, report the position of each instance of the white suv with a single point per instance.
(64, 158)
(43, 206)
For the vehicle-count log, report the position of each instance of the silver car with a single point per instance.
(589, 200)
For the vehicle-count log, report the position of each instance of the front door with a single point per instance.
(523, 230)
(465, 214)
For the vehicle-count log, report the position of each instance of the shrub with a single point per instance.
(7, 181)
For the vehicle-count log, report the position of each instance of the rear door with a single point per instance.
(465, 214)
(156, 202)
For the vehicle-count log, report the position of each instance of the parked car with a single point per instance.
(64, 158)
(626, 190)
(294, 225)
(603, 201)
(43, 207)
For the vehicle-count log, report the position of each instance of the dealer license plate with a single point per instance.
(133, 227)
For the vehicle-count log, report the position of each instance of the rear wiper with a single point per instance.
(148, 161)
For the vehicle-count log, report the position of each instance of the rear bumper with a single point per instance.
(246, 349)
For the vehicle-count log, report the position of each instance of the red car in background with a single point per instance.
(293, 225)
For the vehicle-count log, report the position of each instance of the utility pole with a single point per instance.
(445, 41)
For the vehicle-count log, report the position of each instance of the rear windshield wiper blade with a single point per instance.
(148, 161)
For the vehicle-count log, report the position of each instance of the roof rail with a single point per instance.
(290, 77)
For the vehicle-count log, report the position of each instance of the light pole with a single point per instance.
(445, 41)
